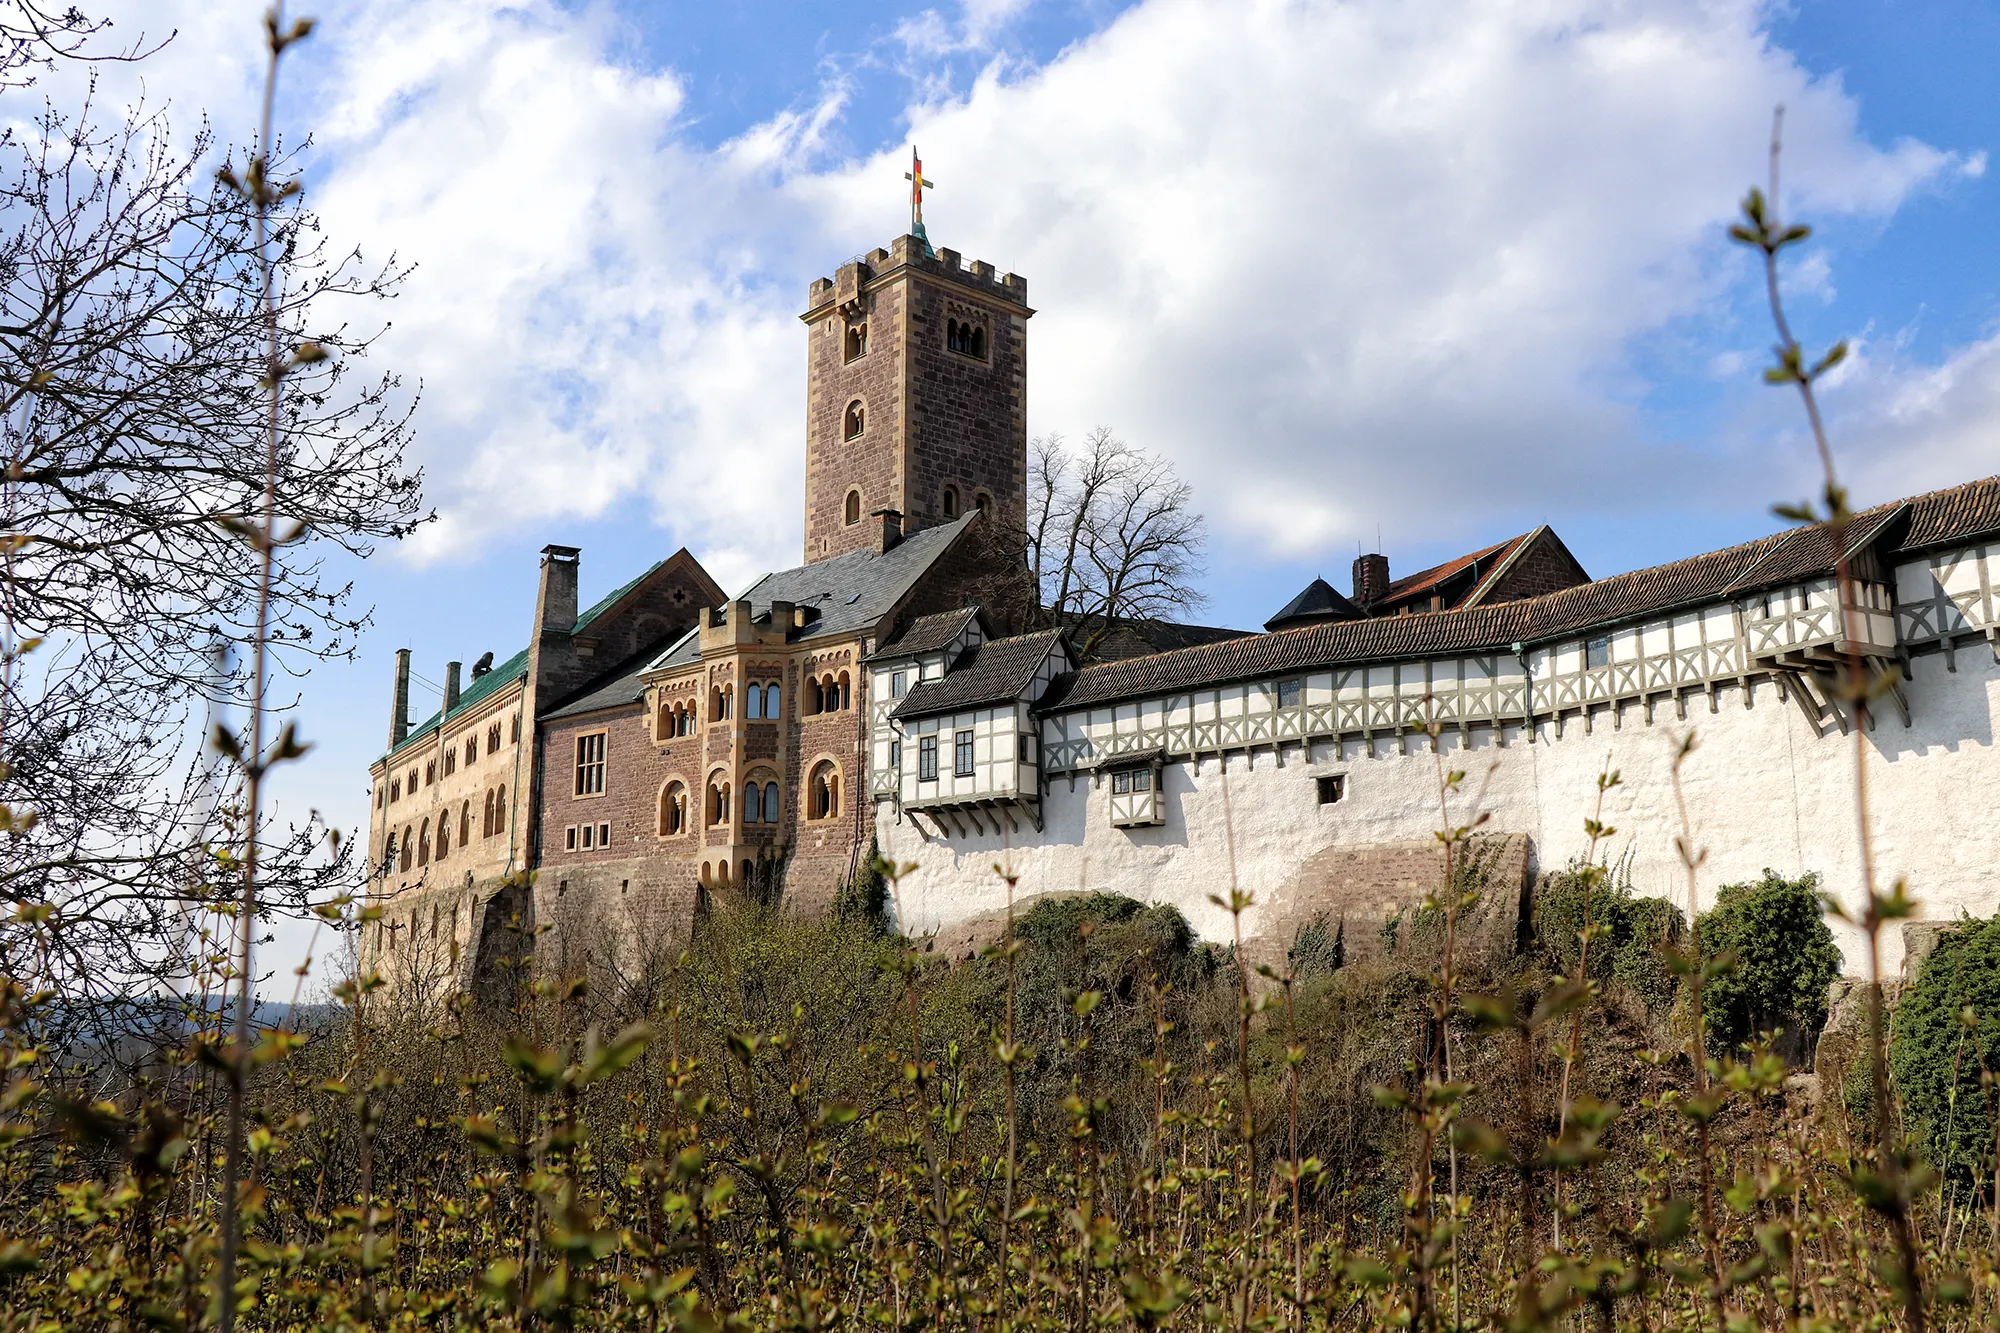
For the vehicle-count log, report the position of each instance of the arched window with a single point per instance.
(770, 803)
(493, 738)
(846, 699)
(444, 835)
(405, 864)
(856, 420)
(771, 695)
(977, 343)
(823, 791)
(715, 703)
(500, 809)
(815, 697)
(514, 728)
(857, 341)
(954, 333)
(983, 503)
(465, 823)
(951, 502)
(753, 809)
(471, 750)
(396, 790)
(486, 821)
(687, 719)
(853, 511)
(673, 809)
(718, 802)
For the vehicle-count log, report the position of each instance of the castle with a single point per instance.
(669, 745)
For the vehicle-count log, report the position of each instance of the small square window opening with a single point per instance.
(1332, 788)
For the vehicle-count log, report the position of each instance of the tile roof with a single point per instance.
(1425, 579)
(992, 672)
(926, 634)
(1959, 514)
(851, 593)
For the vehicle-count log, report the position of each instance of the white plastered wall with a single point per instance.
(1764, 788)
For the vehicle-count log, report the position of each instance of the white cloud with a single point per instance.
(1344, 262)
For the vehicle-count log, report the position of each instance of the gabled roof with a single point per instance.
(845, 595)
(992, 672)
(1960, 514)
(1424, 580)
(516, 667)
(1320, 601)
(927, 634)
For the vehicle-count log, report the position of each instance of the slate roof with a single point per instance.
(992, 672)
(1319, 601)
(623, 684)
(850, 593)
(926, 634)
(1958, 514)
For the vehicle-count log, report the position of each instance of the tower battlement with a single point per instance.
(909, 252)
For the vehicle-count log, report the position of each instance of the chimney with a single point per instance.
(399, 713)
(450, 686)
(889, 530)
(1371, 579)
(555, 609)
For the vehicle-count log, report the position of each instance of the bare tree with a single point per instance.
(134, 429)
(1112, 537)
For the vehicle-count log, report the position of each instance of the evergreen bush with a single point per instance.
(1785, 959)
(1935, 1058)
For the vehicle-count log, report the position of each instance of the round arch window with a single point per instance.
(856, 419)
(853, 511)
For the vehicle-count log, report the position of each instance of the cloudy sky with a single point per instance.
(1422, 274)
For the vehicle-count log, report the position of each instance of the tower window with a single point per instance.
(951, 502)
(983, 502)
(965, 337)
(853, 512)
(857, 419)
(857, 341)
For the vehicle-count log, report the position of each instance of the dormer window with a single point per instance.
(856, 420)
(853, 511)
(857, 341)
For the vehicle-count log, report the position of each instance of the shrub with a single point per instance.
(1935, 1060)
(1635, 931)
(1785, 960)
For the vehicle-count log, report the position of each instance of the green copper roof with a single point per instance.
(513, 669)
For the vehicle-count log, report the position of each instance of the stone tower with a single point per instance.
(916, 395)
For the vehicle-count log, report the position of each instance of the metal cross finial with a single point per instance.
(915, 176)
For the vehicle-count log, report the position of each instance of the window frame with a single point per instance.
(1330, 788)
(964, 756)
(589, 768)
(927, 757)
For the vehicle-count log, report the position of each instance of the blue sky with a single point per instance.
(1440, 272)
